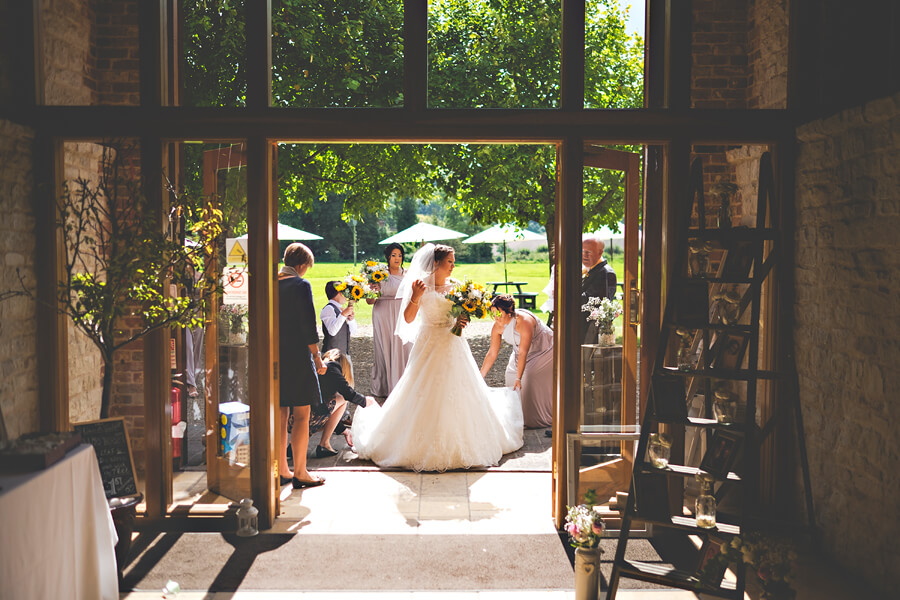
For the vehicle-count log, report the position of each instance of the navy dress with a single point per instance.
(296, 331)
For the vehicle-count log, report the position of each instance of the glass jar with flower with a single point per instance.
(233, 324)
(603, 311)
(659, 450)
(585, 527)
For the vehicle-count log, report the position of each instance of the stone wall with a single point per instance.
(18, 318)
(67, 32)
(85, 363)
(847, 333)
(768, 60)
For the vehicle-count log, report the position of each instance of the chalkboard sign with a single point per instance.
(110, 440)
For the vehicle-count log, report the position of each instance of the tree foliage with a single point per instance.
(119, 256)
(482, 54)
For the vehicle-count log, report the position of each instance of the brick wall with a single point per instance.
(18, 319)
(117, 53)
(719, 72)
(847, 332)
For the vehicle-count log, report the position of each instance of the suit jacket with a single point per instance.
(296, 331)
(333, 382)
(600, 282)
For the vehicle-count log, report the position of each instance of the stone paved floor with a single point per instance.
(457, 503)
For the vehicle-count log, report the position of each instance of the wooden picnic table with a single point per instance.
(524, 299)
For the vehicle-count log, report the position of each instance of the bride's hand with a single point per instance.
(462, 320)
(370, 400)
(418, 288)
(517, 385)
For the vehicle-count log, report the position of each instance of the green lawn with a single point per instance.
(535, 273)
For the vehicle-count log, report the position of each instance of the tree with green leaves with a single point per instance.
(120, 258)
(482, 54)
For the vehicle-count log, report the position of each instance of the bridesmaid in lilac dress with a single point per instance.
(390, 353)
(530, 368)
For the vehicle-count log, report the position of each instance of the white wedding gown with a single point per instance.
(441, 415)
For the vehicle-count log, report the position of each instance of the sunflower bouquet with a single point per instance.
(375, 272)
(470, 299)
(354, 286)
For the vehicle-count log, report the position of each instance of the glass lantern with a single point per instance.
(698, 261)
(247, 516)
(687, 360)
(725, 406)
(659, 450)
(727, 306)
(705, 504)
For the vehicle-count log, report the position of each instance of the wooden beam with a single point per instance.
(651, 264)
(261, 218)
(259, 54)
(678, 54)
(571, 75)
(568, 334)
(415, 55)
(157, 376)
(608, 158)
(52, 325)
(639, 126)
(655, 53)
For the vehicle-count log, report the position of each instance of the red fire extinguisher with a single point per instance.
(177, 430)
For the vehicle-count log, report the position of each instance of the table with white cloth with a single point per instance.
(57, 535)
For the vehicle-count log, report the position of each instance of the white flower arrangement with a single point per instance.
(603, 312)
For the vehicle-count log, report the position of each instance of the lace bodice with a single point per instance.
(434, 310)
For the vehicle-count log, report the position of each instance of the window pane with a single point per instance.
(337, 54)
(215, 49)
(493, 55)
(613, 54)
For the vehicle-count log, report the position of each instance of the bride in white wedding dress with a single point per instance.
(441, 415)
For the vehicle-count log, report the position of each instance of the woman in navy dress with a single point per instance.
(300, 362)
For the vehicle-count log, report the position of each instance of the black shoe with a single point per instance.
(324, 452)
(548, 433)
(307, 484)
(284, 480)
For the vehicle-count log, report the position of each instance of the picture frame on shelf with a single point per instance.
(692, 304)
(738, 260)
(721, 452)
(706, 573)
(729, 349)
(651, 492)
(669, 399)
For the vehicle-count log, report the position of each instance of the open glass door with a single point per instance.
(227, 397)
(602, 450)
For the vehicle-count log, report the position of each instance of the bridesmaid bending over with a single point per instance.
(530, 368)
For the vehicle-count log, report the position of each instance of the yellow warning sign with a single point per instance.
(237, 253)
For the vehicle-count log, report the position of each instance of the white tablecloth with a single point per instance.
(57, 538)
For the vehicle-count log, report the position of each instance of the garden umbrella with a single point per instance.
(500, 234)
(286, 232)
(422, 232)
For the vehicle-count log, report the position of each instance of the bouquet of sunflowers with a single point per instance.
(355, 287)
(375, 272)
(470, 299)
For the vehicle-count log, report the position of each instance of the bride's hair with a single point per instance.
(441, 252)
